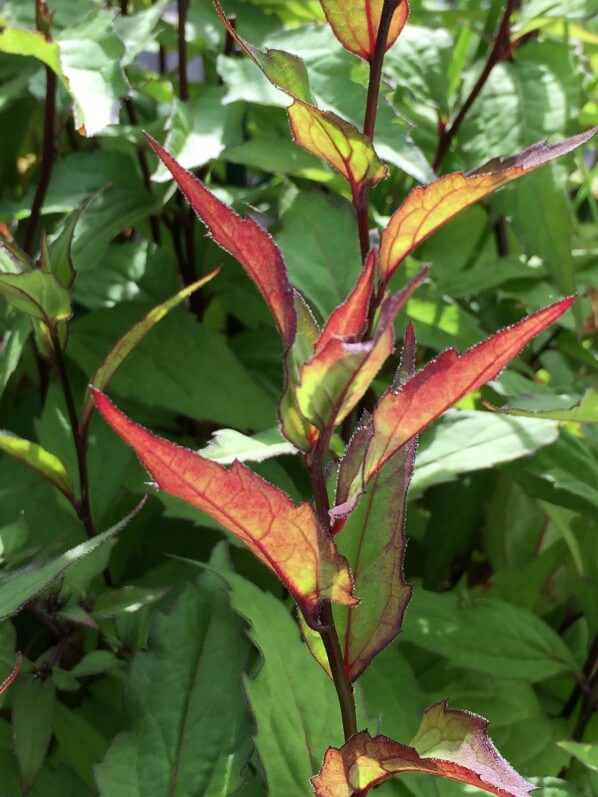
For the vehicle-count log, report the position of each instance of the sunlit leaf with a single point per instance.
(123, 347)
(338, 142)
(244, 239)
(402, 414)
(38, 294)
(227, 445)
(450, 744)
(285, 537)
(585, 411)
(428, 208)
(36, 457)
(355, 23)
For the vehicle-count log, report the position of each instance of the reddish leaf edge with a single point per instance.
(9, 681)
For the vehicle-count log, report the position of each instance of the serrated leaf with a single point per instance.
(30, 43)
(19, 586)
(428, 208)
(38, 294)
(123, 347)
(244, 239)
(449, 744)
(339, 143)
(285, 537)
(284, 70)
(402, 414)
(184, 699)
(355, 23)
(36, 457)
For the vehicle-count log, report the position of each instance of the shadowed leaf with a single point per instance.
(428, 208)
(401, 414)
(12, 677)
(450, 744)
(244, 239)
(285, 537)
(38, 294)
(338, 142)
(355, 23)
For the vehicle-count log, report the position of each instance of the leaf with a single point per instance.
(334, 380)
(428, 208)
(355, 24)
(402, 414)
(584, 411)
(38, 294)
(284, 70)
(132, 338)
(13, 343)
(339, 143)
(450, 744)
(586, 753)
(19, 586)
(30, 43)
(488, 635)
(60, 250)
(184, 700)
(285, 537)
(36, 457)
(12, 677)
(244, 239)
(32, 710)
(228, 445)
(90, 57)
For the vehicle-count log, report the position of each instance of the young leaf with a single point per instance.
(429, 207)
(338, 142)
(402, 414)
(244, 239)
(355, 24)
(123, 347)
(36, 457)
(336, 378)
(38, 294)
(450, 744)
(284, 70)
(19, 586)
(374, 542)
(285, 537)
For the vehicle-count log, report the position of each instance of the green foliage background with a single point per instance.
(168, 679)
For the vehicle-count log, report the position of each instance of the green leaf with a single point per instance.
(33, 708)
(200, 130)
(30, 43)
(584, 411)
(14, 339)
(90, 56)
(38, 294)
(228, 445)
(489, 636)
(199, 376)
(19, 586)
(462, 442)
(185, 701)
(320, 246)
(291, 736)
(136, 31)
(125, 600)
(36, 457)
(586, 753)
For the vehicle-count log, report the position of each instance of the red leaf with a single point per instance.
(285, 537)
(427, 208)
(401, 414)
(449, 744)
(244, 239)
(355, 24)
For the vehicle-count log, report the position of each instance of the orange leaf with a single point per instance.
(355, 23)
(449, 744)
(244, 239)
(285, 537)
(338, 142)
(429, 207)
(401, 414)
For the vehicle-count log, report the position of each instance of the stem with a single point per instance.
(83, 506)
(361, 200)
(502, 240)
(500, 50)
(183, 7)
(48, 154)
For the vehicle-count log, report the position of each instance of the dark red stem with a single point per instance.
(183, 7)
(48, 155)
(499, 51)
